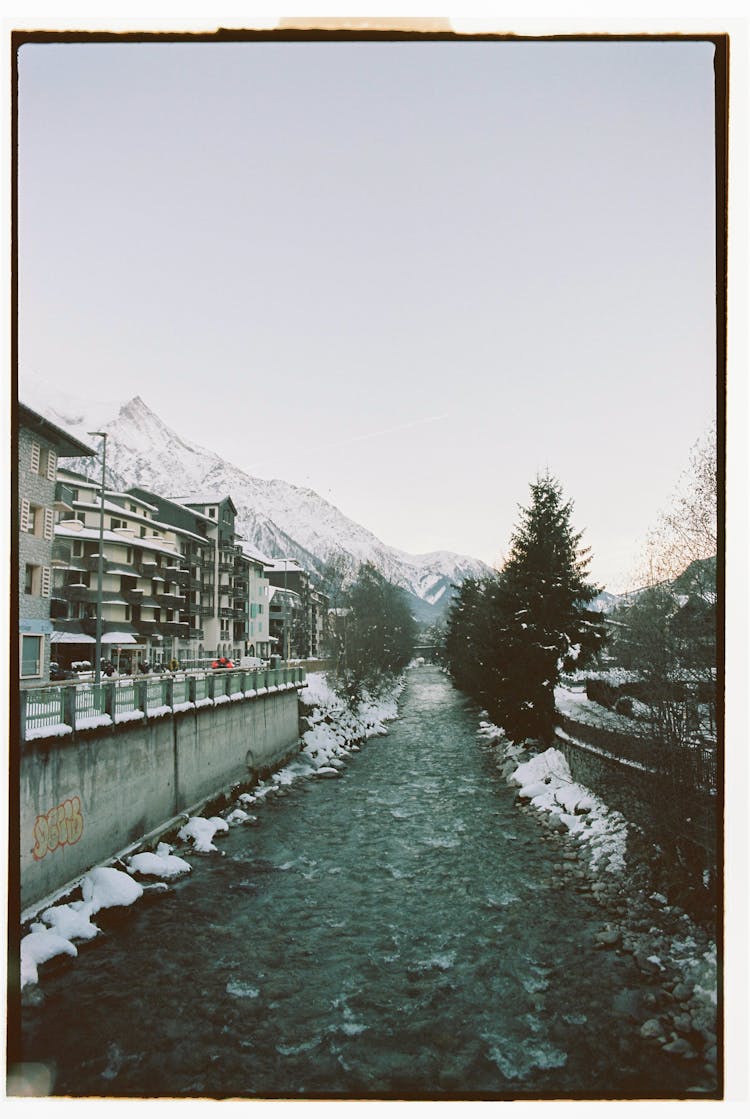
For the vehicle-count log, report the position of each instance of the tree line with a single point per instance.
(512, 635)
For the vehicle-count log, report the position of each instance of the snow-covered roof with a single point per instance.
(203, 499)
(277, 564)
(66, 445)
(256, 557)
(113, 537)
(282, 591)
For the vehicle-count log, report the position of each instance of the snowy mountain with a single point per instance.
(277, 518)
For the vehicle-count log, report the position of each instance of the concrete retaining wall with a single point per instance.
(85, 798)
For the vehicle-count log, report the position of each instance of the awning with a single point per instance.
(65, 637)
(118, 639)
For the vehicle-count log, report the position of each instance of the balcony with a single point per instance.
(91, 562)
(135, 597)
(195, 634)
(61, 554)
(64, 498)
(173, 629)
(169, 598)
(76, 592)
(226, 567)
(225, 612)
(206, 611)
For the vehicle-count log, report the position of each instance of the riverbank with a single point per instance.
(331, 732)
(601, 855)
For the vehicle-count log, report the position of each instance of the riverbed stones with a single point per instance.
(653, 1030)
(682, 992)
(680, 1047)
(607, 937)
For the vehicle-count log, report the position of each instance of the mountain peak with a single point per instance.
(277, 518)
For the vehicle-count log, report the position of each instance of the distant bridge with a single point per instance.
(432, 653)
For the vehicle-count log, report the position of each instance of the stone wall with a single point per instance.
(87, 797)
(650, 800)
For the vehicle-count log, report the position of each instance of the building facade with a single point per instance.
(142, 593)
(42, 497)
(308, 635)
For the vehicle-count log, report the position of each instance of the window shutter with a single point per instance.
(49, 524)
(46, 573)
(24, 514)
(35, 453)
(51, 464)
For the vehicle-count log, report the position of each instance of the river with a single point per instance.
(396, 932)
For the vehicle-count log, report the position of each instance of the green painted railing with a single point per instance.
(61, 709)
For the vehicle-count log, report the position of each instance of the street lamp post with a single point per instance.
(100, 564)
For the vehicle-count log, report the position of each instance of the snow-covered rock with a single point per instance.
(105, 887)
(158, 864)
(39, 946)
(201, 832)
(70, 922)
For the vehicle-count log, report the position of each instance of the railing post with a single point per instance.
(211, 681)
(191, 689)
(169, 693)
(69, 705)
(141, 698)
(22, 714)
(109, 700)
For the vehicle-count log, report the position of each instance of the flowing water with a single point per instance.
(395, 932)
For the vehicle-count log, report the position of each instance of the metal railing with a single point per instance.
(694, 764)
(60, 709)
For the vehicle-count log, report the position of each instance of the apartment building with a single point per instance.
(142, 579)
(42, 496)
(232, 592)
(258, 639)
(309, 617)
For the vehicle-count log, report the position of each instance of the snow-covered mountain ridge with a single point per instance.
(273, 516)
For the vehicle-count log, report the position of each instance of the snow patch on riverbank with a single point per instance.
(102, 888)
(673, 949)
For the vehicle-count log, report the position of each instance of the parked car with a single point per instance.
(57, 673)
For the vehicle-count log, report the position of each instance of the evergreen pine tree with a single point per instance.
(541, 622)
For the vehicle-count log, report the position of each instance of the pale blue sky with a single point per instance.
(407, 275)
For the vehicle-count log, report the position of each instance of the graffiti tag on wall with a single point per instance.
(62, 824)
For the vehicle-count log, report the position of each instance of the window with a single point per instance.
(36, 520)
(43, 461)
(33, 579)
(116, 523)
(37, 580)
(77, 547)
(127, 613)
(31, 654)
